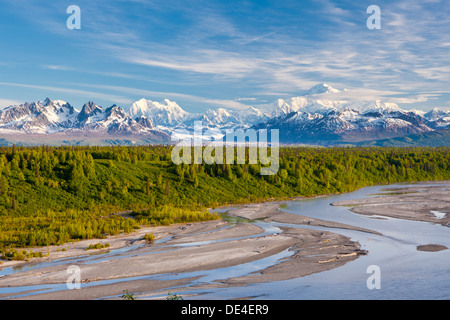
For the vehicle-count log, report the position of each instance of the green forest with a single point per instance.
(53, 195)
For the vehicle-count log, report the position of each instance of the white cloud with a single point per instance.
(202, 61)
(382, 95)
(84, 93)
(407, 57)
(435, 73)
(56, 67)
(412, 99)
(8, 102)
(173, 95)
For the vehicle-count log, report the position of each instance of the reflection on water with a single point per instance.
(18, 268)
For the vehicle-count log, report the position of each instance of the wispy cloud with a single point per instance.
(149, 94)
(85, 94)
(101, 73)
(263, 49)
(245, 99)
(56, 67)
(7, 102)
(201, 61)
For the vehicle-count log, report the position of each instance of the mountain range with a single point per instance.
(315, 118)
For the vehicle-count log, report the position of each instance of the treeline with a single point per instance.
(51, 195)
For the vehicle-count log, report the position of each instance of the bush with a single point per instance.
(174, 296)
(15, 254)
(98, 246)
(128, 296)
(150, 237)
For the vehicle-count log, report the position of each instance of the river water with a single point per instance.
(404, 272)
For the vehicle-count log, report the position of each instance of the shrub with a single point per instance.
(128, 296)
(98, 246)
(174, 296)
(150, 237)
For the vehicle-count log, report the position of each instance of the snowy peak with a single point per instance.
(89, 109)
(50, 116)
(220, 116)
(165, 113)
(220, 112)
(280, 107)
(436, 114)
(302, 104)
(312, 118)
(115, 112)
(113, 120)
(42, 116)
(375, 106)
(322, 88)
(441, 118)
(144, 121)
(52, 103)
(232, 118)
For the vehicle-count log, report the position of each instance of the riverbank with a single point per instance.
(188, 248)
(182, 254)
(418, 203)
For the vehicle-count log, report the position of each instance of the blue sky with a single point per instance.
(232, 54)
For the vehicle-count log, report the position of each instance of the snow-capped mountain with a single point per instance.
(322, 116)
(113, 119)
(88, 113)
(322, 88)
(224, 118)
(346, 124)
(166, 113)
(440, 118)
(314, 118)
(40, 117)
(50, 116)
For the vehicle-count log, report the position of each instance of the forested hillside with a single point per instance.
(51, 195)
(438, 138)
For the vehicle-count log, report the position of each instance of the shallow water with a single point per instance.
(405, 273)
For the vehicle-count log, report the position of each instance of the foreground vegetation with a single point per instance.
(52, 195)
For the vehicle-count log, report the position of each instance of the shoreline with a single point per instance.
(412, 203)
(200, 246)
(78, 248)
(429, 204)
(146, 229)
